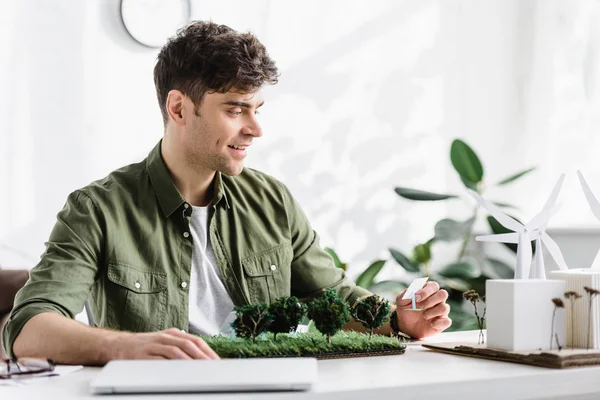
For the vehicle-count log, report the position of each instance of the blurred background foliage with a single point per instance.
(470, 268)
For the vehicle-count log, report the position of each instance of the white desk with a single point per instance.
(417, 374)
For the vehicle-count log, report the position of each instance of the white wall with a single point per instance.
(370, 97)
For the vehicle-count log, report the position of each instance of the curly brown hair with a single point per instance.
(206, 57)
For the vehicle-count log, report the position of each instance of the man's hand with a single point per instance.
(170, 344)
(433, 318)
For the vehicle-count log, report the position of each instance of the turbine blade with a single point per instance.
(541, 219)
(589, 195)
(554, 251)
(555, 192)
(503, 219)
(500, 238)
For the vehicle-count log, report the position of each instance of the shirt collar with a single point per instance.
(168, 196)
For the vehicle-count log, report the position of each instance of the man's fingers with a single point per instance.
(402, 303)
(439, 310)
(427, 290)
(441, 323)
(200, 344)
(183, 343)
(206, 348)
(433, 300)
(169, 351)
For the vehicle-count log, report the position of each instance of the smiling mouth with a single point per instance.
(238, 147)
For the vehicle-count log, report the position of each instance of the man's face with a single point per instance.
(220, 131)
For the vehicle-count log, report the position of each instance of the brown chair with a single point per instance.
(10, 283)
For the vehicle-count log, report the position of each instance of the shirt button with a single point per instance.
(137, 285)
(186, 205)
(186, 234)
(273, 267)
(184, 284)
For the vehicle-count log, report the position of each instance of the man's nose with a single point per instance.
(253, 128)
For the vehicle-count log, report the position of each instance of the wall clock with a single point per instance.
(152, 22)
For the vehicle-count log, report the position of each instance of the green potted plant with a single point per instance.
(470, 268)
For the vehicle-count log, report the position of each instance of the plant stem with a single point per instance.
(426, 268)
(467, 238)
(572, 323)
(589, 332)
(465, 243)
(552, 328)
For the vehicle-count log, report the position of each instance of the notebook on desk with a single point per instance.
(179, 376)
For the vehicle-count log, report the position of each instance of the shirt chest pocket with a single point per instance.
(136, 299)
(268, 274)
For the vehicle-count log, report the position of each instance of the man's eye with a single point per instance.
(235, 112)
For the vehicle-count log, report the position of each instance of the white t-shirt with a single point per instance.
(209, 302)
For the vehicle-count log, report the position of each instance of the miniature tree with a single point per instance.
(558, 303)
(572, 296)
(473, 297)
(329, 312)
(286, 313)
(251, 320)
(591, 294)
(371, 312)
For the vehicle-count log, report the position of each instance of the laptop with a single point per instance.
(226, 375)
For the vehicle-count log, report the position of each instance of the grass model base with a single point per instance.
(310, 344)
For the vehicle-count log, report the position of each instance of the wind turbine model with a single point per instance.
(524, 234)
(594, 205)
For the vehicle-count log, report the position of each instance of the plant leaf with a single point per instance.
(471, 185)
(461, 269)
(394, 287)
(452, 283)
(466, 162)
(422, 252)
(497, 229)
(404, 261)
(422, 195)
(461, 319)
(516, 176)
(449, 230)
(336, 260)
(365, 280)
(499, 269)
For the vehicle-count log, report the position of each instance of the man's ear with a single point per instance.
(175, 106)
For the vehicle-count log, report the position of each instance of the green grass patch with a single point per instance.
(310, 344)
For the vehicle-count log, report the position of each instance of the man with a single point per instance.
(168, 246)
(10, 282)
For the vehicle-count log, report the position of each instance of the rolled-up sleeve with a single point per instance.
(61, 281)
(313, 269)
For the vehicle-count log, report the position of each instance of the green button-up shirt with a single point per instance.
(123, 243)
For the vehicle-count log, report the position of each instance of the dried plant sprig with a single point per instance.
(592, 293)
(473, 297)
(572, 296)
(558, 303)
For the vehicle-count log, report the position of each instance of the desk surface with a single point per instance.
(419, 373)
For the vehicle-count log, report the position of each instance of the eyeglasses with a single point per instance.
(26, 367)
